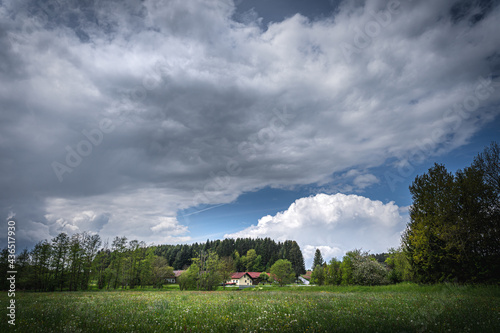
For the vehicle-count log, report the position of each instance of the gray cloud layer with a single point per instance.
(115, 115)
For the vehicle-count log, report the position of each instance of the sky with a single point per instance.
(180, 121)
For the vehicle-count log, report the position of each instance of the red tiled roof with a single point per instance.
(238, 275)
(253, 275)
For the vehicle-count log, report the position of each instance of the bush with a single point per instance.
(359, 268)
(368, 272)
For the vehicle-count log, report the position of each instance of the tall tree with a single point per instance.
(146, 267)
(60, 246)
(291, 252)
(209, 274)
(226, 269)
(318, 259)
(333, 275)
(431, 215)
(91, 245)
(347, 267)
(489, 162)
(119, 247)
(75, 261)
(101, 262)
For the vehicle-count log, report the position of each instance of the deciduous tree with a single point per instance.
(282, 272)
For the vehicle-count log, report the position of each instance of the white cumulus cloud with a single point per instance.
(333, 223)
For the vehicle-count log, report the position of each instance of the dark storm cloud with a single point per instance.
(115, 115)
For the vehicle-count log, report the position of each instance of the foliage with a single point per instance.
(333, 274)
(282, 272)
(454, 229)
(209, 275)
(64, 263)
(203, 274)
(368, 272)
(161, 271)
(356, 268)
(263, 277)
(226, 269)
(74, 263)
(179, 256)
(318, 275)
(347, 267)
(291, 252)
(400, 269)
(188, 279)
(251, 262)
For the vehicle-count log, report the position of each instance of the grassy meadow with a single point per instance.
(399, 308)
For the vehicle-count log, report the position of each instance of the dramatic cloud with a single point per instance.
(334, 224)
(118, 114)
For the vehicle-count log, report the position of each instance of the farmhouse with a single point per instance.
(245, 278)
(175, 278)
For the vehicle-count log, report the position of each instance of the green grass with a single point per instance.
(400, 308)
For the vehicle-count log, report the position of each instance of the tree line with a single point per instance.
(249, 254)
(78, 261)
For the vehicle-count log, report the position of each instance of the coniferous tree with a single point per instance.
(318, 259)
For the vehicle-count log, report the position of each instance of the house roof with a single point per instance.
(253, 275)
(307, 276)
(178, 273)
(238, 275)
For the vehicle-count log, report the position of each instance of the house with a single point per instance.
(245, 278)
(175, 279)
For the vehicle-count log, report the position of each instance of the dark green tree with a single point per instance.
(318, 259)
(347, 266)
(291, 251)
(119, 246)
(333, 275)
(188, 280)
(454, 229)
